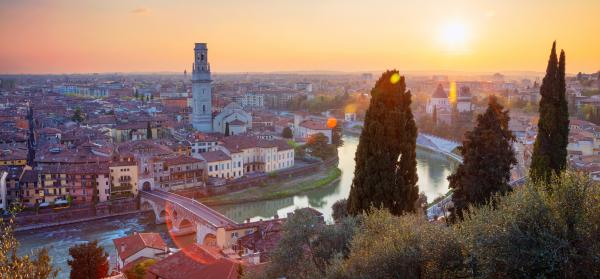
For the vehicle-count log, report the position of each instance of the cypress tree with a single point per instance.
(550, 148)
(487, 159)
(386, 167)
(434, 116)
(148, 131)
(226, 129)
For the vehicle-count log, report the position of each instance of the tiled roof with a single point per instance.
(314, 125)
(215, 156)
(439, 92)
(198, 262)
(136, 242)
(181, 159)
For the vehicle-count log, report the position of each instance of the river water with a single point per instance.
(432, 170)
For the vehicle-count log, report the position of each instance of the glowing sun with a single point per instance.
(454, 35)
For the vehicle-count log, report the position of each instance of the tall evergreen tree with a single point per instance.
(226, 129)
(336, 134)
(550, 148)
(434, 116)
(487, 159)
(386, 166)
(287, 133)
(148, 131)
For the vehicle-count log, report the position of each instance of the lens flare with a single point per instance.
(331, 122)
(350, 108)
(179, 241)
(395, 78)
(452, 96)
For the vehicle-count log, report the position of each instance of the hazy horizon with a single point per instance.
(71, 37)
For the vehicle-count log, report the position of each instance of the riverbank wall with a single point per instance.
(30, 220)
(244, 183)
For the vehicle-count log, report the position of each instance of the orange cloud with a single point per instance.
(140, 10)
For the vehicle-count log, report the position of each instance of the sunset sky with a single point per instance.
(64, 36)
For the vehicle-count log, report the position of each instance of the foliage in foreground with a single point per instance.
(139, 270)
(538, 233)
(529, 233)
(89, 261)
(308, 246)
(36, 266)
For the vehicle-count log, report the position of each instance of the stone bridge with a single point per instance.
(184, 215)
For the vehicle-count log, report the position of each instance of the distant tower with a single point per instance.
(201, 92)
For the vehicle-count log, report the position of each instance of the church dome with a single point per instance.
(439, 92)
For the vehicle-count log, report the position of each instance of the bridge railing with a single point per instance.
(172, 198)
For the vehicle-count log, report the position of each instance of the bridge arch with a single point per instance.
(185, 223)
(146, 205)
(210, 240)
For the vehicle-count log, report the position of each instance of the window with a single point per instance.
(209, 168)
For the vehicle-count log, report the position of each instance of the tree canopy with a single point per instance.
(89, 261)
(287, 133)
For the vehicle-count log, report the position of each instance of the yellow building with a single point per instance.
(123, 179)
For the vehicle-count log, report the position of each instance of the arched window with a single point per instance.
(203, 108)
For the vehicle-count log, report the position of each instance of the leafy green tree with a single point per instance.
(148, 131)
(408, 246)
(386, 166)
(287, 133)
(550, 148)
(318, 146)
(487, 159)
(308, 246)
(29, 266)
(89, 261)
(77, 115)
(536, 233)
(139, 270)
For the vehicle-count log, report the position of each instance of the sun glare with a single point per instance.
(454, 35)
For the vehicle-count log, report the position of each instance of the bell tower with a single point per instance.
(201, 90)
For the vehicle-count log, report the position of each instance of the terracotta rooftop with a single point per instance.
(196, 261)
(215, 156)
(314, 125)
(129, 245)
(181, 159)
(439, 92)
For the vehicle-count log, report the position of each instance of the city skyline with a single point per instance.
(56, 37)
